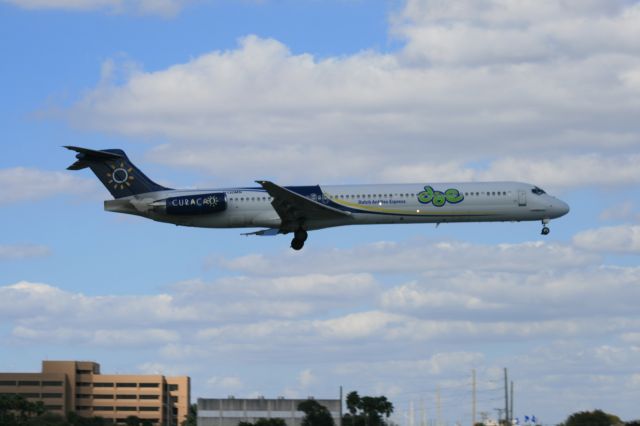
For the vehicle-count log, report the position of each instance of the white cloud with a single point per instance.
(395, 328)
(476, 97)
(420, 255)
(306, 378)
(611, 239)
(506, 31)
(20, 184)
(23, 251)
(439, 363)
(165, 8)
(229, 383)
(624, 211)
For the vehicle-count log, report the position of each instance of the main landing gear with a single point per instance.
(300, 236)
(545, 228)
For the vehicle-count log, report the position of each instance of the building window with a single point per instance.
(7, 382)
(83, 395)
(173, 387)
(53, 407)
(85, 371)
(51, 383)
(126, 408)
(149, 385)
(149, 408)
(103, 385)
(125, 396)
(126, 385)
(148, 396)
(98, 396)
(29, 395)
(174, 399)
(52, 395)
(102, 408)
(81, 384)
(28, 383)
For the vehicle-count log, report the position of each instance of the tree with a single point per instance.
(367, 410)
(192, 416)
(592, 418)
(16, 410)
(315, 414)
(47, 419)
(132, 421)
(75, 420)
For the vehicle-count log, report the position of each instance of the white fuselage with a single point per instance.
(362, 204)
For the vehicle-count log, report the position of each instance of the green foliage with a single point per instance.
(366, 410)
(16, 410)
(192, 416)
(592, 418)
(316, 414)
(47, 419)
(74, 419)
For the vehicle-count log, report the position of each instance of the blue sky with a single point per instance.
(206, 93)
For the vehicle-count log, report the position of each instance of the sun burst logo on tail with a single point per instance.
(120, 176)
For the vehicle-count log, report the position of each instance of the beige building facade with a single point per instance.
(65, 386)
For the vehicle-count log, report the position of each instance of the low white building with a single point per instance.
(230, 411)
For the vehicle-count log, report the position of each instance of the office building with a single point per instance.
(65, 386)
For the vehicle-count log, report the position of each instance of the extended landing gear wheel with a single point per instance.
(298, 240)
(545, 230)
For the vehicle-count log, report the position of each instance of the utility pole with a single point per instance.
(473, 397)
(506, 399)
(340, 419)
(412, 415)
(439, 407)
(511, 402)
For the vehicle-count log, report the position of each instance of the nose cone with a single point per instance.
(560, 208)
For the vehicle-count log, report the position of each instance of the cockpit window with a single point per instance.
(537, 191)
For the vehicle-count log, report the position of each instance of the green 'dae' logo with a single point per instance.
(439, 198)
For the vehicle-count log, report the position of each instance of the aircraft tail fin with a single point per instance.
(112, 166)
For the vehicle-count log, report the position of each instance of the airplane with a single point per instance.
(300, 209)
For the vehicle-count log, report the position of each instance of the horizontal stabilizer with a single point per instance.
(85, 154)
(119, 175)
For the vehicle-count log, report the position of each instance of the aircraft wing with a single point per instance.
(295, 209)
